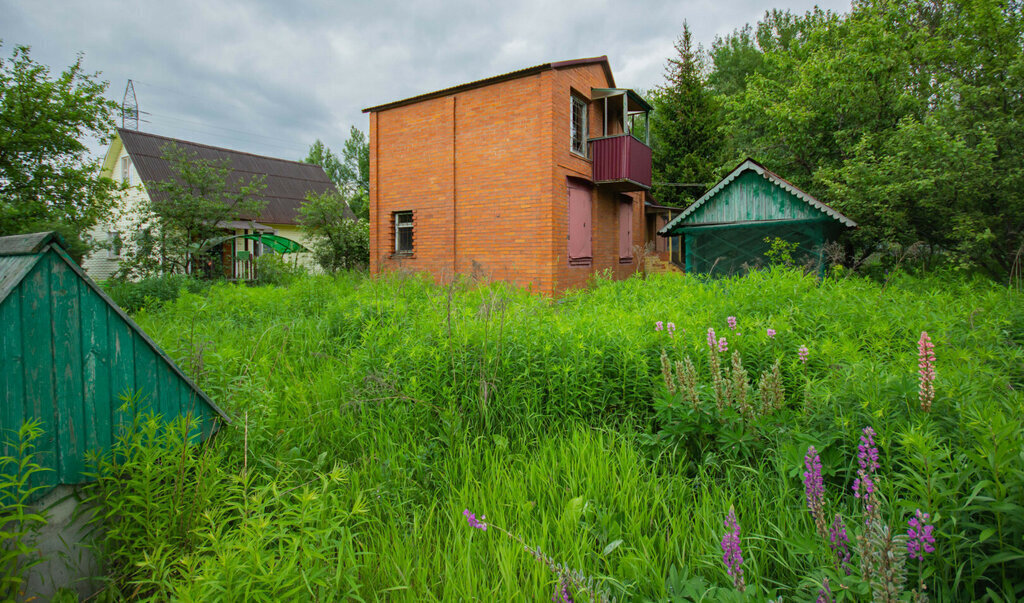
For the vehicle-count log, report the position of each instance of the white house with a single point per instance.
(136, 159)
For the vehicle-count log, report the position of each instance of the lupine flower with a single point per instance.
(926, 370)
(473, 523)
(803, 352)
(771, 333)
(712, 340)
(919, 536)
(732, 322)
(657, 326)
(864, 485)
(562, 594)
(732, 555)
(839, 542)
(824, 593)
(670, 328)
(723, 345)
(814, 488)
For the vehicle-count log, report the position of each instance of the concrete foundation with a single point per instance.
(67, 562)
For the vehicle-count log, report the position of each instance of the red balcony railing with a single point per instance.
(622, 162)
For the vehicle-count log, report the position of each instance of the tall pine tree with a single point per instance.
(684, 127)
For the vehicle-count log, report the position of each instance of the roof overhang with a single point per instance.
(512, 75)
(750, 165)
(635, 103)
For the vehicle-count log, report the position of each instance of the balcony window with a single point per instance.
(578, 126)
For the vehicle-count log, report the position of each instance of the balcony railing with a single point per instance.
(621, 162)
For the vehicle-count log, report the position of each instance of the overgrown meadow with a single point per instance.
(372, 418)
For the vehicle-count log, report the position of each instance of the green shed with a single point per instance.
(68, 353)
(727, 230)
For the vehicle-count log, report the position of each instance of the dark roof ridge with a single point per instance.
(494, 79)
(209, 146)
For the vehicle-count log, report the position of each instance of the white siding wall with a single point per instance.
(98, 265)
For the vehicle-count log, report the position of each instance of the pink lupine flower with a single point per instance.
(723, 345)
(814, 488)
(864, 485)
(657, 326)
(926, 370)
(712, 339)
(670, 328)
(771, 333)
(473, 523)
(919, 536)
(732, 554)
(732, 322)
(803, 352)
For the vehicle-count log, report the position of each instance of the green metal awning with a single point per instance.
(276, 242)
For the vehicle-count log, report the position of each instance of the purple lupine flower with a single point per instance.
(926, 370)
(824, 593)
(657, 326)
(771, 333)
(814, 488)
(723, 345)
(562, 594)
(919, 536)
(473, 523)
(803, 352)
(712, 339)
(864, 485)
(839, 542)
(732, 554)
(671, 328)
(732, 322)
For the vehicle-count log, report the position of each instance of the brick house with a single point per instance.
(538, 177)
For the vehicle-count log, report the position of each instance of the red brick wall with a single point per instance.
(485, 172)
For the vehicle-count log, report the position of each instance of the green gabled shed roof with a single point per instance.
(814, 207)
(67, 352)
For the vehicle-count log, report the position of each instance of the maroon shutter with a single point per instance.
(625, 230)
(579, 222)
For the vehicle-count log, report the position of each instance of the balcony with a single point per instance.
(622, 163)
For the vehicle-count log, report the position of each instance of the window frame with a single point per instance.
(584, 126)
(126, 170)
(399, 227)
(114, 244)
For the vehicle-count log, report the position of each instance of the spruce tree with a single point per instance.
(684, 127)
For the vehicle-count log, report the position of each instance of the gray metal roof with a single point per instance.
(287, 182)
(753, 166)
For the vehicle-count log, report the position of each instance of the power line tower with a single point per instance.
(130, 108)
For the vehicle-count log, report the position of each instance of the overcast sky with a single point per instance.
(270, 77)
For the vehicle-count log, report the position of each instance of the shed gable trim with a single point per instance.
(753, 166)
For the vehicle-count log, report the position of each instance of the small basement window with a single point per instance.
(578, 126)
(403, 232)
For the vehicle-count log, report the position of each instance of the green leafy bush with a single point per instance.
(150, 292)
(275, 269)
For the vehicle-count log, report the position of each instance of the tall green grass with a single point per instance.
(370, 413)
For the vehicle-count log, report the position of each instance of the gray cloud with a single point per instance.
(270, 77)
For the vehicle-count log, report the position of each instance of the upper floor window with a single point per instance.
(578, 126)
(113, 244)
(403, 232)
(126, 170)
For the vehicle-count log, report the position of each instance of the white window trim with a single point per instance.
(403, 225)
(113, 253)
(126, 170)
(573, 99)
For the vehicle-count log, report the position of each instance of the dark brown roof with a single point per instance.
(601, 60)
(287, 182)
